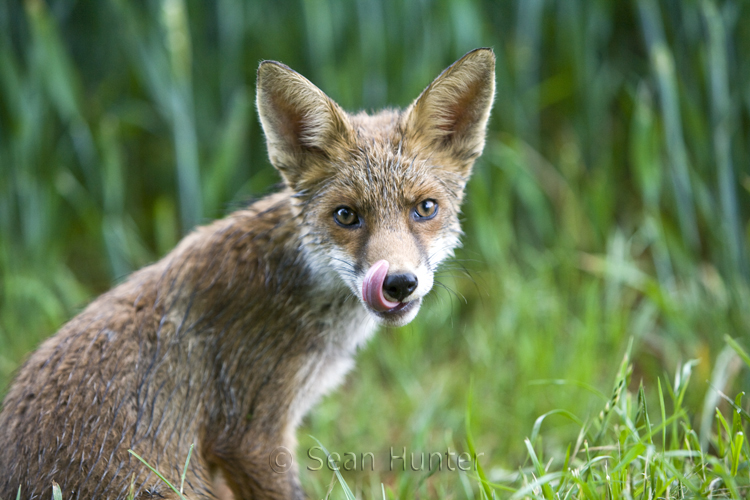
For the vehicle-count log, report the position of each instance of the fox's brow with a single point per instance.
(367, 165)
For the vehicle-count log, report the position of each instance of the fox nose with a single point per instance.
(400, 286)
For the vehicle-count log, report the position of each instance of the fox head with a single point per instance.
(378, 196)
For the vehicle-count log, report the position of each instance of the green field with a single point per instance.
(610, 208)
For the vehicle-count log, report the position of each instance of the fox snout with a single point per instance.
(400, 286)
(383, 291)
(393, 296)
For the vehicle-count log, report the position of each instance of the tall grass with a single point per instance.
(611, 202)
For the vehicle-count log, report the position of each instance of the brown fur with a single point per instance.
(233, 336)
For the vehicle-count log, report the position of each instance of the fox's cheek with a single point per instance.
(349, 242)
(442, 248)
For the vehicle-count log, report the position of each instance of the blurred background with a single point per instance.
(611, 202)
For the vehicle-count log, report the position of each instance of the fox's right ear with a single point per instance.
(303, 126)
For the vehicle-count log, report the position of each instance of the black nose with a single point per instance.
(400, 286)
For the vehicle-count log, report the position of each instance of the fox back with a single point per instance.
(230, 339)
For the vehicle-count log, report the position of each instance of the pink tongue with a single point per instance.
(372, 287)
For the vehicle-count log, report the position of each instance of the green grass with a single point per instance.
(611, 205)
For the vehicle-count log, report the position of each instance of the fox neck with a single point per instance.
(279, 328)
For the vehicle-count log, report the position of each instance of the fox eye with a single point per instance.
(426, 210)
(345, 216)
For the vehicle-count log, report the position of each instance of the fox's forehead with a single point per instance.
(382, 127)
(381, 141)
(381, 178)
(384, 172)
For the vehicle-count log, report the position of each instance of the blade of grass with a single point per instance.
(470, 441)
(158, 474)
(738, 349)
(663, 65)
(347, 492)
(541, 473)
(184, 470)
(56, 493)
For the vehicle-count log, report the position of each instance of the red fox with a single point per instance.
(230, 339)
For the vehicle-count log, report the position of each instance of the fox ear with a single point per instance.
(303, 126)
(451, 114)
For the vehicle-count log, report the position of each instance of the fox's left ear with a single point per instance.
(452, 113)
